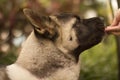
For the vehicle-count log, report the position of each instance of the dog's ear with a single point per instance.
(44, 25)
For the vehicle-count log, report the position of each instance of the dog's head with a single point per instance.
(67, 31)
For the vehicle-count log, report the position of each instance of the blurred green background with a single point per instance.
(97, 63)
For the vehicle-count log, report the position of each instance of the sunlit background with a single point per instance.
(97, 63)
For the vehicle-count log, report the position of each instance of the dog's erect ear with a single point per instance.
(43, 24)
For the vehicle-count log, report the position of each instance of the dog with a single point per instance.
(51, 52)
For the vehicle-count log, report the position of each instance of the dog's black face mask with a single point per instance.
(89, 32)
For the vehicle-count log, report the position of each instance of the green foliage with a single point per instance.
(100, 62)
(8, 59)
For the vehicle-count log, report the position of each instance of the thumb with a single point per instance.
(116, 19)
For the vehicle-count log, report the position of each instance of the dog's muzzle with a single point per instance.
(95, 23)
(91, 32)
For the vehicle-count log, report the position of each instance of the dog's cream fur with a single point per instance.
(15, 72)
(29, 55)
(63, 42)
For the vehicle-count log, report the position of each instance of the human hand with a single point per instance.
(114, 28)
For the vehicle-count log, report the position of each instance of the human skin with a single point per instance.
(114, 28)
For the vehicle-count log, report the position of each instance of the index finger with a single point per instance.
(112, 29)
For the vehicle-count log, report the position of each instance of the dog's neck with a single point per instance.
(37, 53)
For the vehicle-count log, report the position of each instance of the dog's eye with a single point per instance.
(71, 38)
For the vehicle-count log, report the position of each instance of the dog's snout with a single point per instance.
(95, 23)
(99, 24)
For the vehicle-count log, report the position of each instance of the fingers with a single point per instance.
(112, 29)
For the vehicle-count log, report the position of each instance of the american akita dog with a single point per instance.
(51, 52)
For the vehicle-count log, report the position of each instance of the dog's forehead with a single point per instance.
(66, 16)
